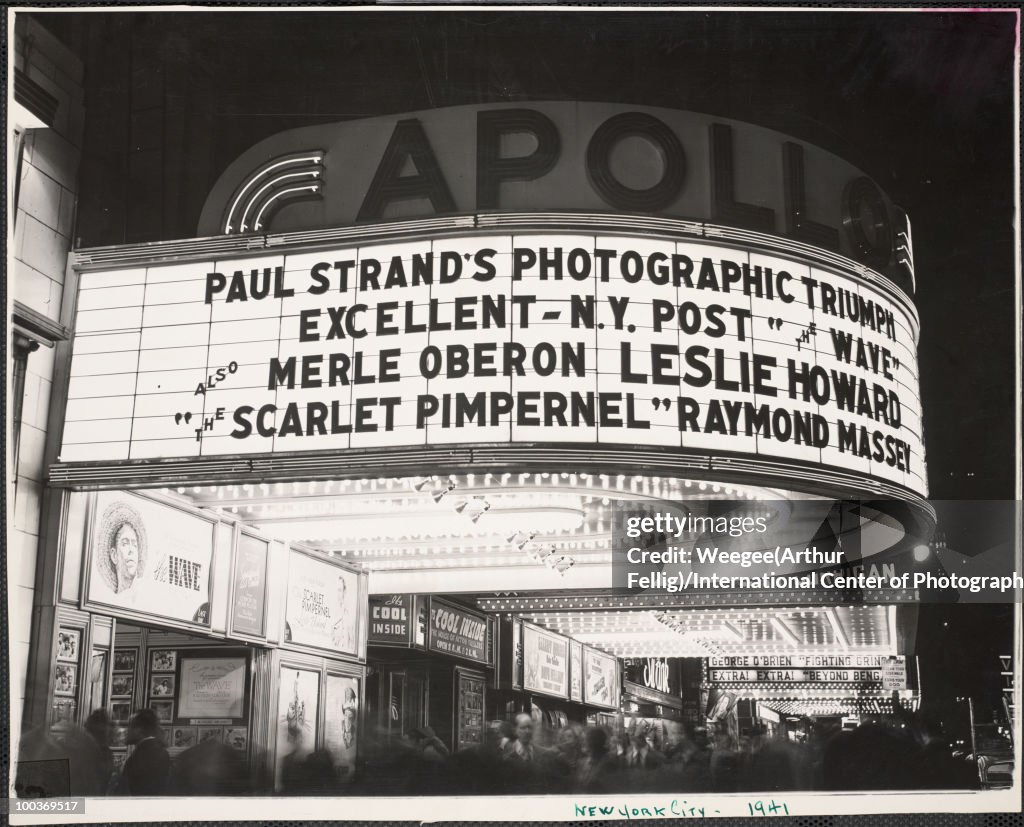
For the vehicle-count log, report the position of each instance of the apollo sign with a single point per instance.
(560, 156)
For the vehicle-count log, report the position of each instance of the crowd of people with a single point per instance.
(68, 760)
(517, 757)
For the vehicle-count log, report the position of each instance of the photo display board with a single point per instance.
(149, 558)
(584, 338)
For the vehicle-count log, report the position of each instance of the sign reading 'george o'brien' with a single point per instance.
(561, 156)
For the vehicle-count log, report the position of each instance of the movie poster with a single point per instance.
(150, 558)
(341, 724)
(296, 724)
(323, 609)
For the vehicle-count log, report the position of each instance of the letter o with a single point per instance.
(613, 191)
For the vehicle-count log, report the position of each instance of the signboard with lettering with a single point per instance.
(545, 662)
(601, 684)
(212, 688)
(322, 605)
(793, 675)
(249, 586)
(588, 156)
(148, 558)
(452, 630)
(682, 345)
(575, 670)
(894, 673)
(658, 680)
(796, 661)
(391, 619)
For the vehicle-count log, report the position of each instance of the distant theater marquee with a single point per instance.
(587, 338)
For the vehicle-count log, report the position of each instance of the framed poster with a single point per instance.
(161, 686)
(68, 644)
(122, 686)
(164, 710)
(120, 711)
(163, 660)
(601, 684)
(296, 720)
(63, 709)
(151, 559)
(212, 688)
(322, 605)
(469, 709)
(65, 679)
(575, 671)
(210, 733)
(183, 737)
(545, 662)
(125, 659)
(341, 723)
(247, 615)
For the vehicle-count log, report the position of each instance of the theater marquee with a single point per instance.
(612, 340)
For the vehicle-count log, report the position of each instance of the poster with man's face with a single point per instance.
(150, 558)
(322, 605)
(341, 723)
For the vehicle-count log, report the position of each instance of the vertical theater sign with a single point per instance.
(426, 354)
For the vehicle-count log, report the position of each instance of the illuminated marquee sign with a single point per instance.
(610, 340)
(797, 661)
(796, 669)
(557, 155)
(793, 675)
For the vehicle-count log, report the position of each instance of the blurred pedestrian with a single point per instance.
(148, 769)
(99, 727)
(210, 767)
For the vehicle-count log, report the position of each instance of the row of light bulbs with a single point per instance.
(474, 507)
